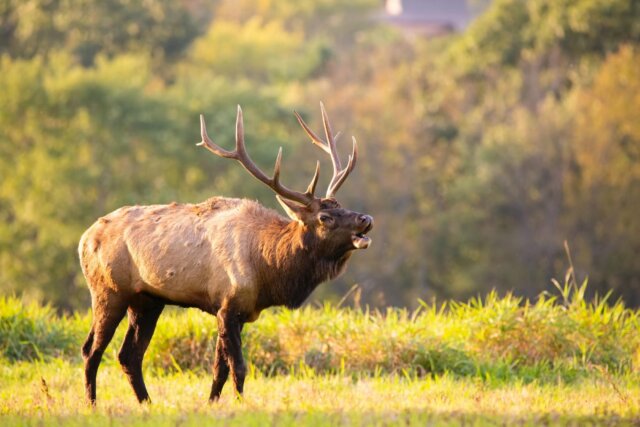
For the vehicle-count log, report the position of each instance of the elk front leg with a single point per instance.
(229, 329)
(220, 371)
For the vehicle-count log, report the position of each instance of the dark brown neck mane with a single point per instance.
(293, 262)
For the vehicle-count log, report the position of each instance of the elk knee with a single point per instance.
(86, 347)
(125, 359)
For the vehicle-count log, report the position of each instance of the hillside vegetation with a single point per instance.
(481, 151)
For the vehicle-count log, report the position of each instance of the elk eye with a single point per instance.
(326, 219)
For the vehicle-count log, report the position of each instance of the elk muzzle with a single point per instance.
(359, 238)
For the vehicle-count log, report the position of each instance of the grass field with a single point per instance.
(51, 394)
(558, 360)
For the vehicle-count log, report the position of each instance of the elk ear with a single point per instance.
(294, 211)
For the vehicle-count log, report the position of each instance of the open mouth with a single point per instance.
(360, 240)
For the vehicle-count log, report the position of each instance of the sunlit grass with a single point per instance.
(496, 337)
(500, 359)
(52, 392)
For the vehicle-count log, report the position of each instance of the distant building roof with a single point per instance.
(428, 17)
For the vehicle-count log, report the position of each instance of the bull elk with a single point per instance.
(229, 257)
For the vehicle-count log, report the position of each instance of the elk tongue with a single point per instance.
(360, 241)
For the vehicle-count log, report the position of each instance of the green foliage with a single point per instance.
(256, 50)
(30, 331)
(606, 146)
(58, 177)
(513, 31)
(495, 338)
(481, 152)
(87, 28)
(333, 19)
(500, 174)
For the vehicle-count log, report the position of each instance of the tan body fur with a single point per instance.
(192, 255)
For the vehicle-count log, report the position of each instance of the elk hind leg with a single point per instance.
(106, 317)
(142, 323)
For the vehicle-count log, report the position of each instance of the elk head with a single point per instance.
(340, 229)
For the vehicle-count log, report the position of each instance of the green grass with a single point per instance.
(50, 394)
(504, 338)
(559, 360)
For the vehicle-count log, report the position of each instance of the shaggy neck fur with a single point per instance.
(294, 262)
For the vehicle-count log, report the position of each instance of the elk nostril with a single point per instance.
(364, 219)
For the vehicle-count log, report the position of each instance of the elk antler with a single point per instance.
(240, 154)
(339, 174)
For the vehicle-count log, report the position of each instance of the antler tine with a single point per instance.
(339, 179)
(209, 144)
(241, 155)
(311, 189)
(320, 143)
(314, 138)
(336, 137)
(331, 142)
(276, 168)
(339, 174)
(240, 148)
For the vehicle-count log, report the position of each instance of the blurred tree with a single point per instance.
(480, 152)
(91, 27)
(496, 166)
(334, 19)
(256, 50)
(82, 139)
(562, 30)
(606, 184)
